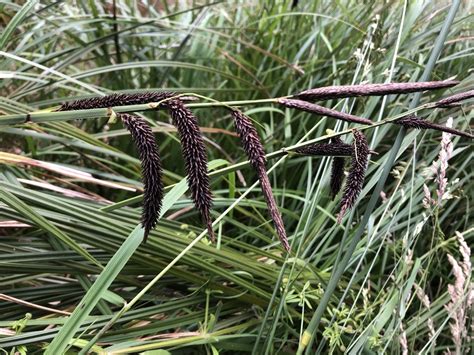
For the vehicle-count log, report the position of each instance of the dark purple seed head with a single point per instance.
(253, 147)
(147, 147)
(114, 100)
(195, 159)
(355, 179)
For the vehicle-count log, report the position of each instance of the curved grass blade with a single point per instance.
(95, 293)
(15, 21)
(308, 337)
(41, 222)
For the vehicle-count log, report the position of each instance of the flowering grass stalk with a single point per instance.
(337, 170)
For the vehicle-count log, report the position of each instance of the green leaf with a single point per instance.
(95, 293)
(41, 222)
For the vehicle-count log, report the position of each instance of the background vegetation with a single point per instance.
(60, 181)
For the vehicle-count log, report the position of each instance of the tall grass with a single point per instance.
(388, 279)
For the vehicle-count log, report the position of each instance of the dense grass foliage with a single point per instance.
(393, 277)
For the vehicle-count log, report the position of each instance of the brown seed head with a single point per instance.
(412, 121)
(337, 169)
(195, 159)
(335, 92)
(322, 111)
(327, 149)
(256, 154)
(455, 99)
(147, 147)
(355, 179)
(115, 100)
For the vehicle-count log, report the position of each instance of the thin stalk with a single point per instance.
(308, 335)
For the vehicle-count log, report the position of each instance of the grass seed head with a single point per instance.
(147, 147)
(195, 159)
(115, 100)
(355, 179)
(327, 149)
(412, 121)
(322, 111)
(455, 99)
(256, 154)
(336, 92)
(337, 169)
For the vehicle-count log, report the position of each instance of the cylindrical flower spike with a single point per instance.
(195, 159)
(355, 179)
(335, 92)
(322, 111)
(327, 149)
(115, 100)
(412, 121)
(337, 168)
(455, 99)
(147, 147)
(253, 147)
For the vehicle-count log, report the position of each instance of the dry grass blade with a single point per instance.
(115, 100)
(355, 180)
(455, 99)
(323, 111)
(334, 92)
(412, 121)
(253, 147)
(147, 147)
(195, 158)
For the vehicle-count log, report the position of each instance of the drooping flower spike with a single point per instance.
(256, 154)
(412, 121)
(195, 159)
(147, 147)
(455, 99)
(355, 179)
(337, 169)
(322, 111)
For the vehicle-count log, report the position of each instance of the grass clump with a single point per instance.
(393, 277)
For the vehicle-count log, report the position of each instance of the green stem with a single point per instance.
(308, 336)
